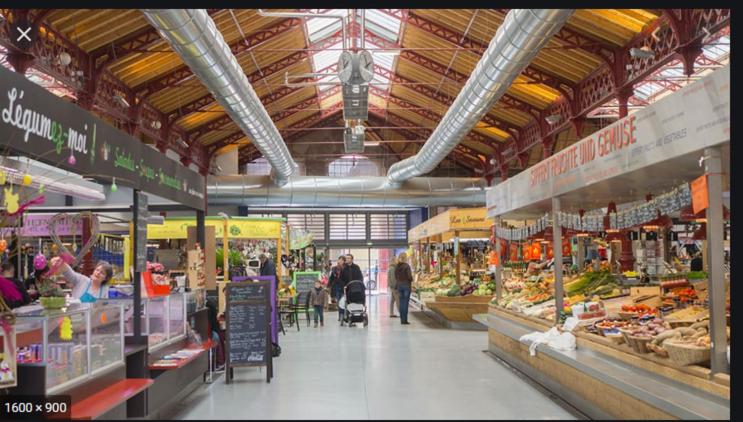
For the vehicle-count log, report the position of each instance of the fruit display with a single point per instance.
(639, 310)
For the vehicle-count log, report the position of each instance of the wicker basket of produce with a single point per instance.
(658, 350)
(687, 352)
(639, 343)
(615, 336)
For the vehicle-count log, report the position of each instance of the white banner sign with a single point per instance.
(695, 117)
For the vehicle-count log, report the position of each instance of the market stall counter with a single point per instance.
(458, 286)
(650, 341)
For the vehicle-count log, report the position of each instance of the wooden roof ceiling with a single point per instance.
(431, 42)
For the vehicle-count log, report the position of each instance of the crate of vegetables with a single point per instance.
(639, 335)
(639, 310)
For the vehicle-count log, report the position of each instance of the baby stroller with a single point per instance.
(355, 310)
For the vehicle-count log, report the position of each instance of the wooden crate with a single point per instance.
(458, 311)
(464, 299)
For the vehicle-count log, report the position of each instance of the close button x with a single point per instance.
(24, 34)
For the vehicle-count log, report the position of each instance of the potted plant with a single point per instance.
(51, 295)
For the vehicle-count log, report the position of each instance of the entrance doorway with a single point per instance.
(374, 263)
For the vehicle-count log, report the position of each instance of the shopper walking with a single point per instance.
(392, 287)
(319, 299)
(336, 283)
(404, 279)
(352, 272)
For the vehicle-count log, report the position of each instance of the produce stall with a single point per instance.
(666, 329)
(249, 237)
(458, 286)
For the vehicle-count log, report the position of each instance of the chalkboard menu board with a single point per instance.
(304, 281)
(140, 260)
(248, 315)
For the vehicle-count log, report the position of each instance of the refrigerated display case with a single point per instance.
(72, 345)
(163, 319)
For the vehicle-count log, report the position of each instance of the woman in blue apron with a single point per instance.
(87, 289)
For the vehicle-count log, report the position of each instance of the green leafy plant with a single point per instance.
(233, 256)
(49, 288)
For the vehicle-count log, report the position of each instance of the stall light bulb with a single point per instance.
(114, 188)
(26, 180)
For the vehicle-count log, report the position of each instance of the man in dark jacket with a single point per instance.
(352, 271)
(267, 266)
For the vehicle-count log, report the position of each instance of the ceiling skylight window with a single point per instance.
(321, 28)
(322, 59)
(382, 24)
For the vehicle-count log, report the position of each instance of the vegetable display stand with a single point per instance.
(608, 381)
(458, 314)
(464, 299)
(693, 375)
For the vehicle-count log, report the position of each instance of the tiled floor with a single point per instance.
(384, 371)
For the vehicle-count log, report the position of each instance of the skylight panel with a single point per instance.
(326, 58)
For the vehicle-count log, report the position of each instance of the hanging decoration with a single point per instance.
(636, 215)
(521, 233)
(10, 200)
(26, 180)
(3, 245)
(65, 329)
(39, 261)
(41, 188)
(3, 177)
(114, 188)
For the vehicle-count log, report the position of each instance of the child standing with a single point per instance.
(318, 299)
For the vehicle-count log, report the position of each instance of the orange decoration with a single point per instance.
(536, 251)
(104, 318)
(566, 249)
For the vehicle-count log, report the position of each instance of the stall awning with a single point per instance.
(470, 220)
(650, 151)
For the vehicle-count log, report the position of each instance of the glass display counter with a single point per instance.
(163, 319)
(74, 344)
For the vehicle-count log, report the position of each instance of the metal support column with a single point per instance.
(200, 229)
(136, 278)
(557, 251)
(458, 257)
(715, 253)
(499, 265)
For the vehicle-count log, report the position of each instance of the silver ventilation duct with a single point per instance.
(345, 192)
(194, 36)
(515, 44)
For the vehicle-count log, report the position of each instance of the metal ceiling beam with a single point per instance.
(136, 42)
(265, 72)
(183, 73)
(456, 38)
(617, 77)
(430, 115)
